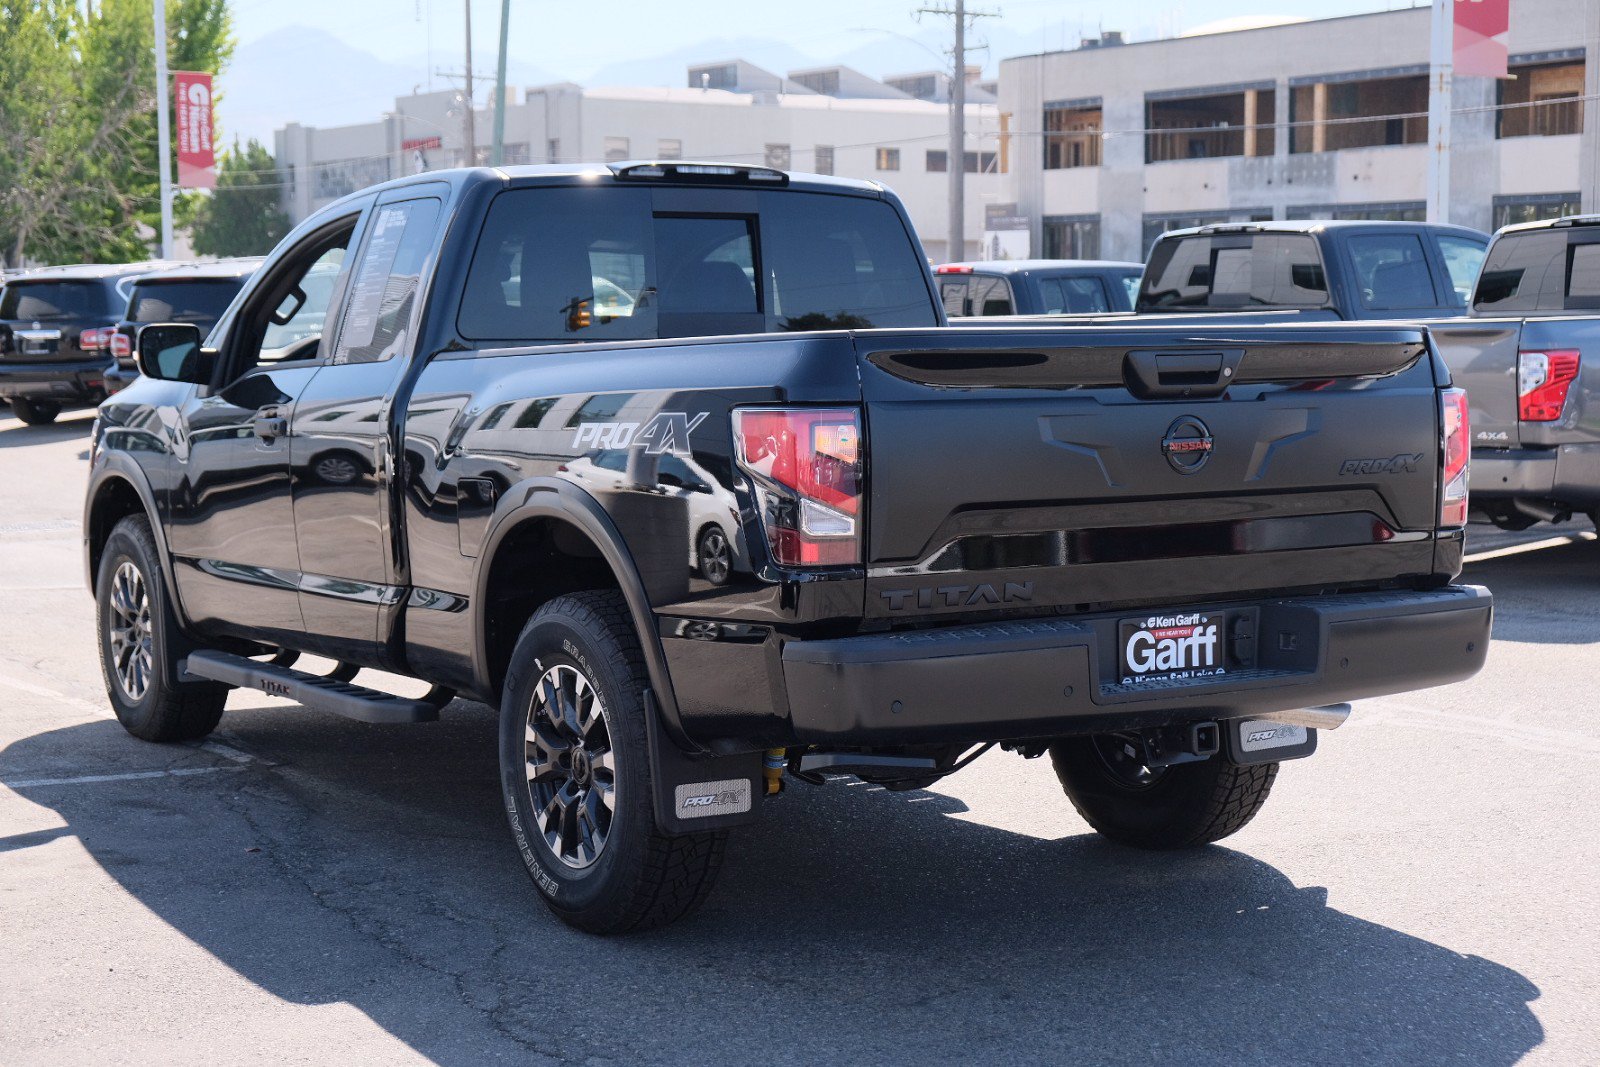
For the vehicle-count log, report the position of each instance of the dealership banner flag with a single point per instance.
(197, 159)
(1481, 27)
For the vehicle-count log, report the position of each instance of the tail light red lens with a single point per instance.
(1543, 379)
(96, 339)
(1457, 439)
(807, 465)
(121, 345)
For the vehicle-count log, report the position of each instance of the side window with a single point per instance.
(1073, 296)
(990, 296)
(1583, 276)
(298, 320)
(1462, 258)
(1392, 271)
(1130, 286)
(383, 292)
(1523, 272)
(953, 294)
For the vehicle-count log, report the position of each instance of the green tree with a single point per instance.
(78, 121)
(241, 217)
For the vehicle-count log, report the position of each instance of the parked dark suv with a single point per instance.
(192, 292)
(55, 335)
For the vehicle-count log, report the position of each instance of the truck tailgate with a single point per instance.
(1075, 467)
(1482, 357)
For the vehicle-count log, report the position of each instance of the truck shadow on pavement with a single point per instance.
(16, 434)
(1547, 596)
(372, 866)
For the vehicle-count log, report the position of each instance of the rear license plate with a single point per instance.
(1178, 646)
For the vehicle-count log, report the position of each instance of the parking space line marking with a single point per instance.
(130, 776)
(1531, 546)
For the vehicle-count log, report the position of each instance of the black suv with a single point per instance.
(55, 335)
(197, 293)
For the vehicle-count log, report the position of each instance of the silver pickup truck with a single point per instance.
(1526, 355)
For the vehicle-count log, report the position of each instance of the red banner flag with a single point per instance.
(197, 159)
(1480, 31)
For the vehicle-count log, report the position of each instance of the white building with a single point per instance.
(1112, 143)
(830, 120)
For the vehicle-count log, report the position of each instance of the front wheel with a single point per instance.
(141, 645)
(715, 555)
(35, 412)
(575, 774)
(1157, 808)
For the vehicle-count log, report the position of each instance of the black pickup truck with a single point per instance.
(1162, 556)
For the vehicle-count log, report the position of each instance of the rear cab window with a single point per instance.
(1463, 257)
(1073, 295)
(1235, 270)
(1540, 270)
(1391, 271)
(201, 301)
(48, 300)
(603, 263)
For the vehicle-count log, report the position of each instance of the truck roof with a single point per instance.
(240, 267)
(1020, 266)
(638, 171)
(72, 272)
(1318, 226)
(1550, 224)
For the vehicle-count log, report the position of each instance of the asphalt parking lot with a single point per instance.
(305, 889)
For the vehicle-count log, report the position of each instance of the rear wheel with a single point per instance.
(575, 774)
(141, 645)
(715, 555)
(1158, 808)
(35, 412)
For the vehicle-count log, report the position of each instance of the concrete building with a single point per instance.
(1113, 142)
(830, 120)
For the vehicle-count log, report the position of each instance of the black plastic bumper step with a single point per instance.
(314, 691)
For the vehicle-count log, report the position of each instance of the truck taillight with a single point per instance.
(1457, 440)
(807, 467)
(1543, 379)
(96, 339)
(121, 345)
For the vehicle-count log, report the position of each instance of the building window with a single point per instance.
(1335, 115)
(825, 82)
(1208, 127)
(921, 86)
(778, 156)
(938, 160)
(888, 159)
(1510, 210)
(1072, 137)
(1072, 237)
(723, 77)
(552, 150)
(975, 162)
(515, 155)
(1392, 211)
(669, 148)
(1541, 100)
(616, 149)
(823, 161)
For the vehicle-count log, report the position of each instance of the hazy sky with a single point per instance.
(570, 38)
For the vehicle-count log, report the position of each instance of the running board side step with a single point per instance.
(314, 690)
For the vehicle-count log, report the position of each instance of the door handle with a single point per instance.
(269, 426)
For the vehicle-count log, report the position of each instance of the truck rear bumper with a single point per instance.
(1048, 678)
(1568, 475)
(77, 380)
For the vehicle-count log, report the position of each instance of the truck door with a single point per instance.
(230, 514)
(341, 445)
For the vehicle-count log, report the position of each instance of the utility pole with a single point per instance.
(163, 129)
(471, 131)
(1441, 76)
(498, 155)
(956, 156)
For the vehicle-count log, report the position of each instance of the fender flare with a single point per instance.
(553, 498)
(119, 466)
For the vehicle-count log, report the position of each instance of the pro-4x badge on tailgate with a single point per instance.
(1405, 463)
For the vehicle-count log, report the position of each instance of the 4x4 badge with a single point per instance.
(1187, 444)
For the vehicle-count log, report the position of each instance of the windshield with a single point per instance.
(1235, 270)
(55, 300)
(604, 263)
(199, 302)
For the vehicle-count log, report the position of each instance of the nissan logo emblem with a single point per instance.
(1187, 445)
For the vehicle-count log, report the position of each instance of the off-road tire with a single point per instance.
(1187, 805)
(641, 878)
(168, 709)
(35, 412)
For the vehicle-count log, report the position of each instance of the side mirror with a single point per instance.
(170, 352)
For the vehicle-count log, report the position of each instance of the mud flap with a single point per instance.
(699, 793)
